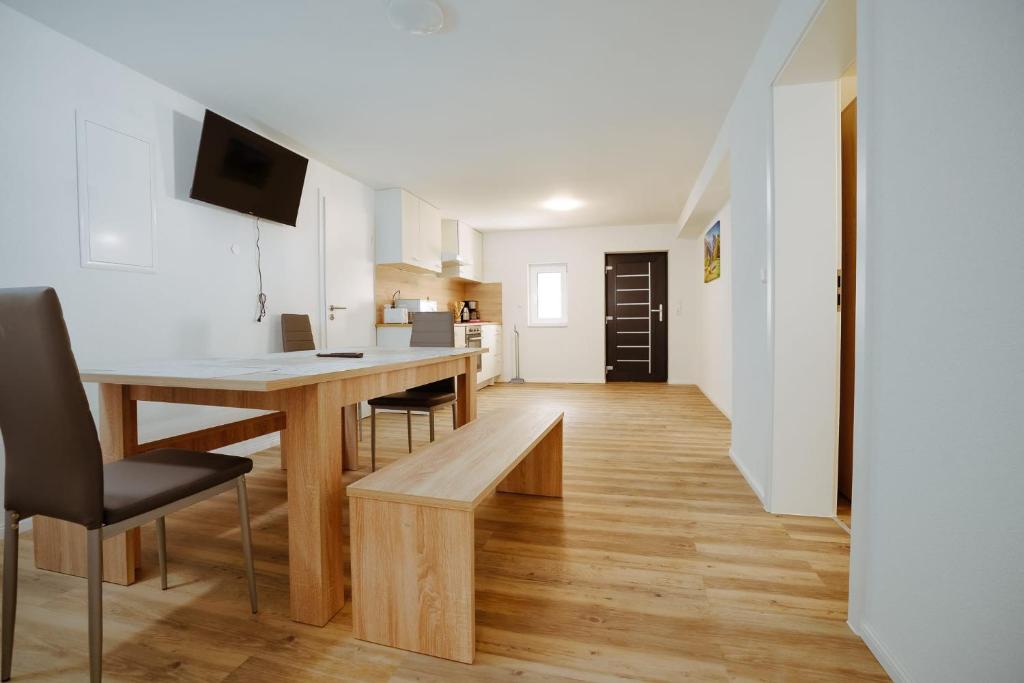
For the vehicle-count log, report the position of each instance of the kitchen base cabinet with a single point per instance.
(394, 336)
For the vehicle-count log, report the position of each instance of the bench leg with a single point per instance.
(412, 577)
(408, 427)
(540, 472)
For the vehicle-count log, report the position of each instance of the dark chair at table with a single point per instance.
(55, 467)
(428, 329)
(297, 335)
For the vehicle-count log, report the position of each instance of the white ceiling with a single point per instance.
(614, 102)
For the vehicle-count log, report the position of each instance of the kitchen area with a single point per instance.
(426, 263)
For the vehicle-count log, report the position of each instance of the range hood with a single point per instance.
(456, 246)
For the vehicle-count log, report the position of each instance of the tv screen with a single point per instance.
(240, 170)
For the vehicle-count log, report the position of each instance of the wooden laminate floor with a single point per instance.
(844, 511)
(659, 564)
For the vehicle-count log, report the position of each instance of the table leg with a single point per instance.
(60, 546)
(465, 403)
(349, 438)
(313, 442)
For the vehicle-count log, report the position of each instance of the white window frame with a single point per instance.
(535, 269)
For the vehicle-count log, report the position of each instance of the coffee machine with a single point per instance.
(468, 312)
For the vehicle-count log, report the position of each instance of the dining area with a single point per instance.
(88, 491)
(517, 543)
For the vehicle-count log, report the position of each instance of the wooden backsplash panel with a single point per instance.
(488, 297)
(447, 292)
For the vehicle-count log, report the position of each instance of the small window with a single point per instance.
(549, 298)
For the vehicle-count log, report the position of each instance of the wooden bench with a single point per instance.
(412, 528)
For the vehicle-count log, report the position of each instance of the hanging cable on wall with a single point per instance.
(262, 297)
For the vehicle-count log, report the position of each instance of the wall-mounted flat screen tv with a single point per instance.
(240, 170)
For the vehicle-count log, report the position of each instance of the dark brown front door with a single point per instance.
(636, 317)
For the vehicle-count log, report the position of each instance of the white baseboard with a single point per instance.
(758, 491)
(884, 656)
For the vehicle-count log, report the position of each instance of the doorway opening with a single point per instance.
(813, 263)
(847, 291)
(636, 317)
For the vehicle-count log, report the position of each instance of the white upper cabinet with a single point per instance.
(430, 237)
(463, 251)
(408, 231)
(478, 255)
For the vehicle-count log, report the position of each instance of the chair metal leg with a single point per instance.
(431, 411)
(243, 514)
(94, 543)
(161, 550)
(408, 427)
(373, 439)
(455, 421)
(10, 600)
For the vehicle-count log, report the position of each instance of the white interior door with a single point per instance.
(347, 315)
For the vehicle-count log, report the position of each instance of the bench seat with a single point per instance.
(412, 528)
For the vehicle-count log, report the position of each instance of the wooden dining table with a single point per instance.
(313, 400)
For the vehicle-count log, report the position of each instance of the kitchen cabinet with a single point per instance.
(490, 363)
(462, 251)
(400, 336)
(478, 255)
(430, 237)
(408, 231)
(395, 336)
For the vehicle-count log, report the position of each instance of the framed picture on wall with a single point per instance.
(713, 252)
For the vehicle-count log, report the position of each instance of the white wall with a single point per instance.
(938, 528)
(746, 138)
(576, 353)
(201, 303)
(805, 393)
(937, 546)
(714, 320)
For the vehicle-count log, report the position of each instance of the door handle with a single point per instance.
(332, 308)
(658, 310)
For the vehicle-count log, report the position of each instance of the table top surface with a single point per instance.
(460, 469)
(272, 371)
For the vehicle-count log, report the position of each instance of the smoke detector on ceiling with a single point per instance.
(418, 17)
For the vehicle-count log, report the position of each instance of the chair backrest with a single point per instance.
(434, 329)
(296, 332)
(53, 457)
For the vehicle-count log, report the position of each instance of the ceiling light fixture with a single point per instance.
(418, 17)
(562, 204)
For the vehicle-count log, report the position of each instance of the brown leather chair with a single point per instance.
(428, 329)
(55, 467)
(297, 335)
